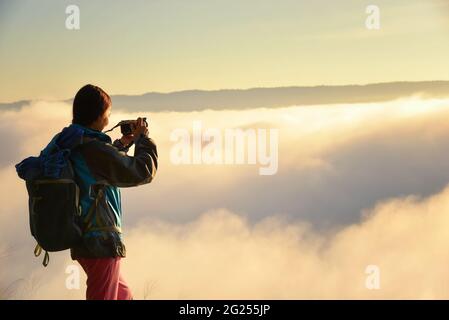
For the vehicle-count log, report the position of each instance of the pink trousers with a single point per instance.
(104, 281)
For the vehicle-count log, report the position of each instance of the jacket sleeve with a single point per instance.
(108, 164)
(119, 145)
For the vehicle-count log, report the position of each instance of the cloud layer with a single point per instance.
(358, 185)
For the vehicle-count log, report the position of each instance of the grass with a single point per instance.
(148, 289)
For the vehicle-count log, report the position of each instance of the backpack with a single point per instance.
(54, 207)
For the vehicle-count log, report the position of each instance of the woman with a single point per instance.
(101, 167)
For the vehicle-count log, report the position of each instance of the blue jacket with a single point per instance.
(101, 168)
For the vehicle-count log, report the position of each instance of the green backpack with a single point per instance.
(53, 200)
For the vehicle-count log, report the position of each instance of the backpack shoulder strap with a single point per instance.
(87, 139)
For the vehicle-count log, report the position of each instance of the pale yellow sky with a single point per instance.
(135, 47)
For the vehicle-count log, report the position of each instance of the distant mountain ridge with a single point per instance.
(195, 100)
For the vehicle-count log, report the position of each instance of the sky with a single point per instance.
(358, 185)
(135, 47)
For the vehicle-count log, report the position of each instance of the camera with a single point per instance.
(128, 126)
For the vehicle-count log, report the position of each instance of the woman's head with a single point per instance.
(92, 107)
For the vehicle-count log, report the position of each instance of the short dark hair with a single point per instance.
(90, 102)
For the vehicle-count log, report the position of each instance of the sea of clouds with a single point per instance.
(357, 185)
